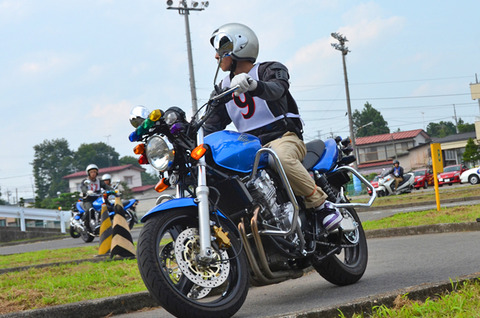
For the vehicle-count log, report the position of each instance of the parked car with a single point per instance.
(374, 183)
(423, 178)
(471, 175)
(451, 174)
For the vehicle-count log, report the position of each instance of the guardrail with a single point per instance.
(35, 214)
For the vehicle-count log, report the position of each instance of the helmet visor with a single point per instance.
(223, 44)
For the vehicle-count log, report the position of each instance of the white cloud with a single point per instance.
(48, 63)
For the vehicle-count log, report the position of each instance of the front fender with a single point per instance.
(174, 204)
(169, 205)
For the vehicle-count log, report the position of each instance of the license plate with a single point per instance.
(446, 180)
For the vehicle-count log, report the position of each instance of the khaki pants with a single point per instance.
(397, 181)
(291, 150)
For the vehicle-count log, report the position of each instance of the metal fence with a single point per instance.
(34, 214)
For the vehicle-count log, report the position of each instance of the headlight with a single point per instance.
(160, 153)
(111, 199)
(171, 117)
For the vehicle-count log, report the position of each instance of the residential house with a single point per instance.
(375, 153)
(129, 174)
(453, 146)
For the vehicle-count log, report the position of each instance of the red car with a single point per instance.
(423, 178)
(374, 183)
(450, 175)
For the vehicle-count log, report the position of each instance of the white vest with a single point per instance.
(247, 112)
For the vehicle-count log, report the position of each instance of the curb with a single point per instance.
(364, 305)
(409, 205)
(92, 308)
(423, 229)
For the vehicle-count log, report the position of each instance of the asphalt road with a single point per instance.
(394, 263)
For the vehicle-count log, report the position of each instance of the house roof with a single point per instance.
(456, 137)
(389, 137)
(104, 170)
(375, 164)
(143, 188)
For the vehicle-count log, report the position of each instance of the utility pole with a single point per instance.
(342, 48)
(355, 134)
(455, 117)
(184, 9)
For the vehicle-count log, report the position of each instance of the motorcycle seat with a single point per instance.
(315, 150)
(406, 177)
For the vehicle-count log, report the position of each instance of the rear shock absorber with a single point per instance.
(321, 181)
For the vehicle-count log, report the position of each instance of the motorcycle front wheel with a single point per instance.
(87, 235)
(167, 253)
(348, 266)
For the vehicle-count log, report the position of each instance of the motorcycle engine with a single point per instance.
(263, 191)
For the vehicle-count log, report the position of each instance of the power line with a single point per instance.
(381, 98)
(385, 82)
(380, 108)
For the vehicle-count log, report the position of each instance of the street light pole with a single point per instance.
(342, 48)
(355, 135)
(184, 9)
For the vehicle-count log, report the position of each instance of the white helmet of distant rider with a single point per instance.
(106, 176)
(90, 167)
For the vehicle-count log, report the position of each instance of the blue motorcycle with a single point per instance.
(234, 219)
(88, 225)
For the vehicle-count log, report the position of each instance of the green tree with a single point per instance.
(369, 114)
(465, 127)
(129, 160)
(471, 154)
(52, 160)
(65, 201)
(98, 153)
(2, 202)
(441, 129)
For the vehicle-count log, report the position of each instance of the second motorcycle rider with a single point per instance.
(263, 106)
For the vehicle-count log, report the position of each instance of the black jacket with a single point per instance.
(273, 88)
(400, 171)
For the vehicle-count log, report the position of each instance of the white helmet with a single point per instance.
(90, 167)
(237, 40)
(106, 176)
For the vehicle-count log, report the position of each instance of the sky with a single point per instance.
(74, 69)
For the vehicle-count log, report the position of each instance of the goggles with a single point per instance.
(223, 44)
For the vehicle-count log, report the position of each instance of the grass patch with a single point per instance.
(48, 256)
(446, 193)
(56, 285)
(458, 214)
(462, 302)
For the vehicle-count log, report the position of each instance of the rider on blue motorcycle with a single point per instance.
(263, 106)
(91, 188)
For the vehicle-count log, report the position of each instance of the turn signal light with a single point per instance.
(139, 149)
(155, 115)
(143, 160)
(162, 185)
(198, 152)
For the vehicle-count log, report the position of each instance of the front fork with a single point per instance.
(206, 254)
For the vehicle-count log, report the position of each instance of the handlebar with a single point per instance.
(224, 93)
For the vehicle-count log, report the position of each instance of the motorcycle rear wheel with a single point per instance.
(349, 266)
(169, 279)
